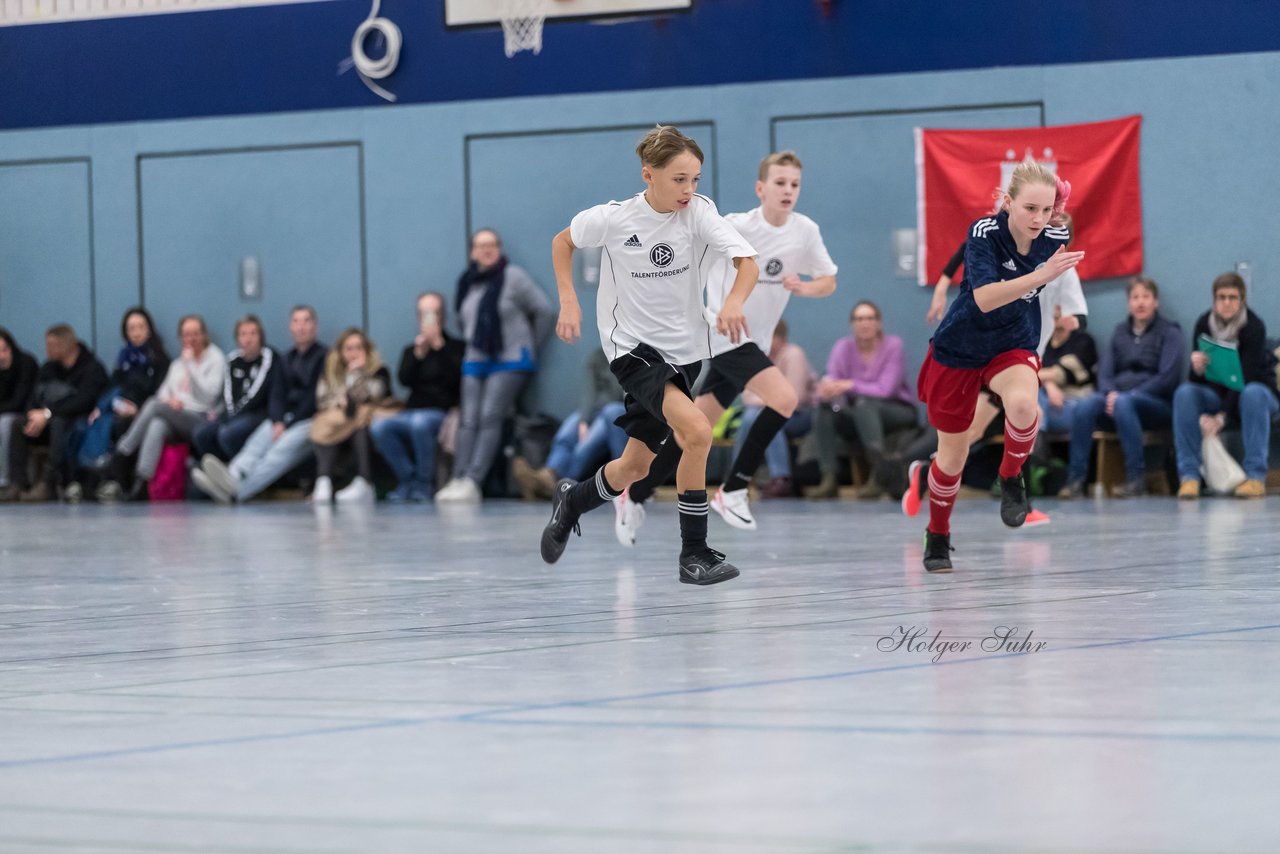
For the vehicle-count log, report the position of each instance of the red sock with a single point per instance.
(1017, 444)
(942, 497)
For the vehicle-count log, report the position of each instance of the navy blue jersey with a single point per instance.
(968, 338)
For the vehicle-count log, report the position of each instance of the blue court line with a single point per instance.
(488, 716)
(213, 742)
(491, 717)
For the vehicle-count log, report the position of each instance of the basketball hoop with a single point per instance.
(522, 24)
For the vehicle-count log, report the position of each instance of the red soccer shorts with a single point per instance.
(951, 394)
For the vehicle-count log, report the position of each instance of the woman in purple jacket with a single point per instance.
(863, 396)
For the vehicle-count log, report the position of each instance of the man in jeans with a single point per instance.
(283, 441)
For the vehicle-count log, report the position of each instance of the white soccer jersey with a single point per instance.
(1066, 292)
(652, 273)
(796, 247)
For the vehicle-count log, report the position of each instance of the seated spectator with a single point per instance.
(794, 364)
(1201, 407)
(245, 388)
(141, 366)
(1068, 372)
(1137, 374)
(505, 316)
(282, 442)
(431, 369)
(863, 396)
(586, 439)
(17, 382)
(354, 386)
(66, 387)
(190, 394)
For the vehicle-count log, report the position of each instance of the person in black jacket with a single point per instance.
(431, 369)
(67, 387)
(283, 440)
(17, 381)
(140, 368)
(246, 387)
(1201, 407)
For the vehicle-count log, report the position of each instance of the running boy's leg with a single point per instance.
(780, 403)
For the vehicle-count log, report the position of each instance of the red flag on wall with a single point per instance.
(957, 172)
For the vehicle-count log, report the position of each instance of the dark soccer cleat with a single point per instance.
(937, 552)
(556, 534)
(706, 567)
(1014, 501)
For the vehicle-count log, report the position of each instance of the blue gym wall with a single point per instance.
(357, 210)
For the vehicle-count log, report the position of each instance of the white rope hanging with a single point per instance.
(376, 69)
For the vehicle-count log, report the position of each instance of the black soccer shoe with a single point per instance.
(937, 552)
(556, 535)
(1015, 503)
(706, 567)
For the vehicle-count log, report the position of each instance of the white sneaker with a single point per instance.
(734, 508)
(628, 518)
(323, 492)
(357, 492)
(462, 489)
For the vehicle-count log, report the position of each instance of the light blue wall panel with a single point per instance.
(46, 252)
(297, 210)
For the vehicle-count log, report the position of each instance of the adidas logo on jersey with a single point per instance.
(633, 243)
(1009, 265)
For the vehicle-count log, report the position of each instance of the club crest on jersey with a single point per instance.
(632, 243)
(774, 267)
(661, 255)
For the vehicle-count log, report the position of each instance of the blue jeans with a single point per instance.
(225, 438)
(1257, 405)
(261, 462)
(412, 429)
(1056, 419)
(1135, 411)
(777, 456)
(571, 458)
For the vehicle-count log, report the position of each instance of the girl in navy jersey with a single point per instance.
(988, 338)
(658, 247)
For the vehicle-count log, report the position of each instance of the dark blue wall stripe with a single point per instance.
(278, 58)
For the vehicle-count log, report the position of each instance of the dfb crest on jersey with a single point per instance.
(661, 255)
(774, 267)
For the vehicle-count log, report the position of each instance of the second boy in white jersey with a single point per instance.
(789, 246)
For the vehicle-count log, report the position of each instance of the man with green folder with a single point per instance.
(1231, 378)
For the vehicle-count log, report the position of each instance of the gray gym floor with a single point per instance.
(270, 678)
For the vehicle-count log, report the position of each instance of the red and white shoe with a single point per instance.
(914, 496)
(1036, 517)
(627, 519)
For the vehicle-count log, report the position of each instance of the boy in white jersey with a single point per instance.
(657, 248)
(789, 245)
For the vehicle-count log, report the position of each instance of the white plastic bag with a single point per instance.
(1222, 474)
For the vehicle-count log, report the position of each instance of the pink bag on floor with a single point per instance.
(170, 481)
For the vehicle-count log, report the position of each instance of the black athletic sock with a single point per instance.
(765, 427)
(660, 469)
(591, 493)
(693, 521)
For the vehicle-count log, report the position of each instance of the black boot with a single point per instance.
(937, 552)
(1015, 503)
(707, 566)
(563, 520)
